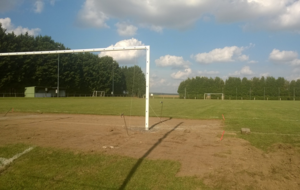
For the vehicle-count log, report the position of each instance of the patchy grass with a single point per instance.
(269, 121)
(48, 168)
(265, 141)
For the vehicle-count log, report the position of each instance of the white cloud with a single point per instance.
(125, 29)
(182, 74)
(243, 58)
(295, 62)
(157, 14)
(159, 84)
(6, 24)
(155, 28)
(38, 6)
(289, 19)
(91, 16)
(245, 71)
(226, 54)
(247, 10)
(156, 81)
(252, 62)
(162, 81)
(257, 14)
(264, 74)
(8, 5)
(170, 60)
(205, 72)
(284, 57)
(125, 55)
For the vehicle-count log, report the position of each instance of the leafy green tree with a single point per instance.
(271, 88)
(181, 89)
(232, 88)
(135, 81)
(78, 73)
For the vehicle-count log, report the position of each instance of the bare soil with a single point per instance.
(230, 163)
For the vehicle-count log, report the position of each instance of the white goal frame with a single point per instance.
(213, 93)
(147, 48)
(95, 93)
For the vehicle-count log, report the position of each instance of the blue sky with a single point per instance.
(188, 38)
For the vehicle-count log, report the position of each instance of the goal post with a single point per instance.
(147, 48)
(208, 95)
(97, 93)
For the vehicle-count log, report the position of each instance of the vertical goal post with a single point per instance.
(97, 92)
(147, 48)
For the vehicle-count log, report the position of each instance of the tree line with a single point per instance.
(78, 73)
(235, 88)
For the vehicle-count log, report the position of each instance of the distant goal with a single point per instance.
(99, 94)
(208, 96)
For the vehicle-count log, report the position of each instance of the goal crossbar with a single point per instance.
(214, 94)
(75, 51)
(147, 48)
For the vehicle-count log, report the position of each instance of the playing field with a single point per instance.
(82, 143)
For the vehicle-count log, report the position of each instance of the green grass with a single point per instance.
(47, 168)
(44, 168)
(9, 151)
(280, 119)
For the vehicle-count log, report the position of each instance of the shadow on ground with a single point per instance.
(160, 123)
(139, 162)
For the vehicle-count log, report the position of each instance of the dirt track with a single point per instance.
(230, 164)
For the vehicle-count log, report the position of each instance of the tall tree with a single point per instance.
(135, 81)
(78, 73)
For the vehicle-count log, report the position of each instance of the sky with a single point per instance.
(188, 38)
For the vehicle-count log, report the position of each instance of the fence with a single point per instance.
(12, 95)
(3, 95)
(265, 93)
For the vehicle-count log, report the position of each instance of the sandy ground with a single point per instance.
(230, 163)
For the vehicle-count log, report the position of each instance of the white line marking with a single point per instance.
(10, 160)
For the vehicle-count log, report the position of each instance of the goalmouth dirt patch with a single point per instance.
(230, 163)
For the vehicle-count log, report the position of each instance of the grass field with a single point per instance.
(270, 122)
(45, 168)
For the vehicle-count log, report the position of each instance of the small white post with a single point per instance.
(58, 77)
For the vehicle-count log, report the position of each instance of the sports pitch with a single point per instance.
(83, 143)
